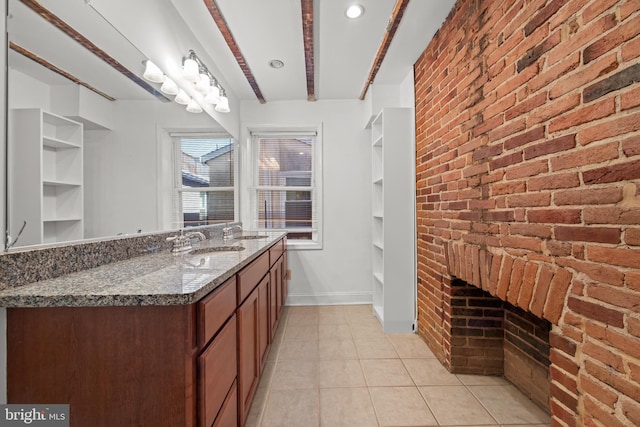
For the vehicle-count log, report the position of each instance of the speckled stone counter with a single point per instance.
(161, 278)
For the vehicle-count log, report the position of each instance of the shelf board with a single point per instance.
(378, 216)
(378, 142)
(61, 219)
(378, 245)
(379, 278)
(48, 141)
(55, 183)
(378, 181)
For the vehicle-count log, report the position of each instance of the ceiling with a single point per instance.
(344, 50)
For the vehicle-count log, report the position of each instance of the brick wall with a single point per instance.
(528, 186)
(526, 353)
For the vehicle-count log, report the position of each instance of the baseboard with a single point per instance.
(330, 298)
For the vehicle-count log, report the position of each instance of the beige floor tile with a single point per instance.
(287, 408)
(346, 407)
(334, 332)
(332, 318)
(298, 350)
(340, 373)
(302, 318)
(410, 346)
(267, 374)
(481, 380)
(429, 372)
(337, 349)
(455, 406)
(301, 332)
(401, 406)
(375, 348)
(295, 374)
(508, 405)
(385, 372)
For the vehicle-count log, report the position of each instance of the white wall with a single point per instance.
(3, 315)
(340, 272)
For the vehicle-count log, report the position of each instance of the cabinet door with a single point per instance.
(285, 279)
(264, 337)
(275, 295)
(217, 373)
(248, 358)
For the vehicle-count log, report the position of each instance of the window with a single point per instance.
(287, 193)
(205, 180)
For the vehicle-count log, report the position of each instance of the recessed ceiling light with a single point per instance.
(276, 63)
(354, 11)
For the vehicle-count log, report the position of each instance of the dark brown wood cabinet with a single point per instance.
(184, 365)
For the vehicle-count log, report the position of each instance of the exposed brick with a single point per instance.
(596, 312)
(630, 99)
(596, 111)
(588, 197)
(604, 355)
(619, 80)
(611, 215)
(562, 216)
(588, 234)
(617, 126)
(585, 156)
(632, 237)
(615, 256)
(595, 271)
(631, 410)
(543, 16)
(528, 284)
(599, 390)
(622, 33)
(614, 173)
(525, 138)
(553, 182)
(618, 297)
(541, 290)
(524, 170)
(526, 106)
(557, 291)
(556, 145)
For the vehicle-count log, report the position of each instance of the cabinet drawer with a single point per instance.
(217, 369)
(228, 416)
(215, 309)
(275, 251)
(251, 275)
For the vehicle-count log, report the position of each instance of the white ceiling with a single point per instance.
(344, 49)
(263, 29)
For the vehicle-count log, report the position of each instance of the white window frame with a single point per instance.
(178, 190)
(317, 180)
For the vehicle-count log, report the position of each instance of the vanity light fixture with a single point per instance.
(223, 104)
(205, 82)
(354, 11)
(182, 98)
(152, 73)
(193, 107)
(169, 87)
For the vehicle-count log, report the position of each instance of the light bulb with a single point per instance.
(182, 98)
(354, 11)
(152, 73)
(213, 97)
(193, 107)
(190, 71)
(204, 83)
(169, 87)
(223, 105)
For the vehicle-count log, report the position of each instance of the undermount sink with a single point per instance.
(251, 236)
(227, 248)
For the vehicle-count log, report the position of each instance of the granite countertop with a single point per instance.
(162, 278)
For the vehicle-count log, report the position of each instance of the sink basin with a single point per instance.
(251, 236)
(210, 249)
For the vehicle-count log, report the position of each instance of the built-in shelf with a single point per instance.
(46, 176)
(393, 222)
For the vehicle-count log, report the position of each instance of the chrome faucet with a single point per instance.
(196, 234)
(227, 233)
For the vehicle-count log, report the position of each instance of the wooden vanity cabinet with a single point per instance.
(195, 365)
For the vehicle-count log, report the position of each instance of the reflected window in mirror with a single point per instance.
(205, 180)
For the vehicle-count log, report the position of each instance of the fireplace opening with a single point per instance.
(493, 337)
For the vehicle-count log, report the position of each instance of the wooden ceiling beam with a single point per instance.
(50, 66)
(394, 22)
(307, 33)
(218, 18)
(90, 46)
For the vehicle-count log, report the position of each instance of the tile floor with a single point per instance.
(333, 366)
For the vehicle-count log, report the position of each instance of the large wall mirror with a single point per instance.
(90, 147)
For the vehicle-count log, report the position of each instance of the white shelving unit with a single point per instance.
(46, 170)
(393, 222)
